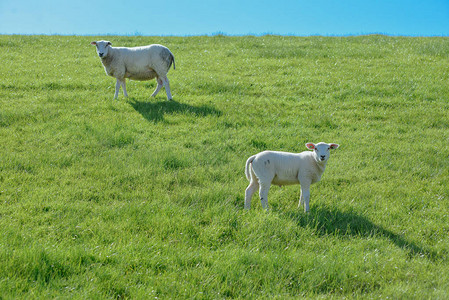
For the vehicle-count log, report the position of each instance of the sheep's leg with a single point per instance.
(252, 187)
(301, 200)
(167, 87)
(123, 84)
(158, 88)
(117, 88)
(263, 194)
(305, 197)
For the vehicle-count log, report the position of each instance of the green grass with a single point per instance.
(143, 198)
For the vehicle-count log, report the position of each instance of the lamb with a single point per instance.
(284, 168)
(137, 63)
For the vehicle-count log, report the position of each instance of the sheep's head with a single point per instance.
(102, 48)
(321, 151)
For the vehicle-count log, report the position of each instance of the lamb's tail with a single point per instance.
(248, 167)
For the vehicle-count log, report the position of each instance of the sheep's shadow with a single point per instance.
(155, 111)
(349, 224)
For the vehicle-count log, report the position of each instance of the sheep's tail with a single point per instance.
(248, 167)
(173, 61)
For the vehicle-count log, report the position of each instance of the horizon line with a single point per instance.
(219, 33)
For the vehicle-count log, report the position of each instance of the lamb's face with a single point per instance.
(321, 151)
(102, 48)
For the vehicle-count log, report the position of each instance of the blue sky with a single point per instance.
(232, 17)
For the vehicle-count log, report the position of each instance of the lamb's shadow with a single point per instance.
(349, 224)
(155, 111)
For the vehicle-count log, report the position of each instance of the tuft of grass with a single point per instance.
(143, 197)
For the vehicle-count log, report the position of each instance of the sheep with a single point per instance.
(285, 168)
(137, 63)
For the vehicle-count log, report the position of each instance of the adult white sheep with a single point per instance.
(137, 63)
(284, 168)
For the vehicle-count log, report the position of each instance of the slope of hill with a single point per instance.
(143, 198)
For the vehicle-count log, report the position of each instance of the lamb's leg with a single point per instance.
(263, 194)
(305, 196)
(167, 87)
(158, 88)
(252, 187)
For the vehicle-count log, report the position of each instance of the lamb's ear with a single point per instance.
(94, 43)
(310, 146)
(334, 146)
(109, 44)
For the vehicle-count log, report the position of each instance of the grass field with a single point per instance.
(143, 198)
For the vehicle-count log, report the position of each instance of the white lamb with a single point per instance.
(284, 168)
(137, 63)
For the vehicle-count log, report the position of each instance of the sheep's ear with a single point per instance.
(334, 146)
(94, 43)
(109, 44)
(310, 146)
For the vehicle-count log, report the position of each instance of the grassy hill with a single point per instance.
(143, 198)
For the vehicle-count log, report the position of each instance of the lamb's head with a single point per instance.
(102, 48)
(321, 151)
